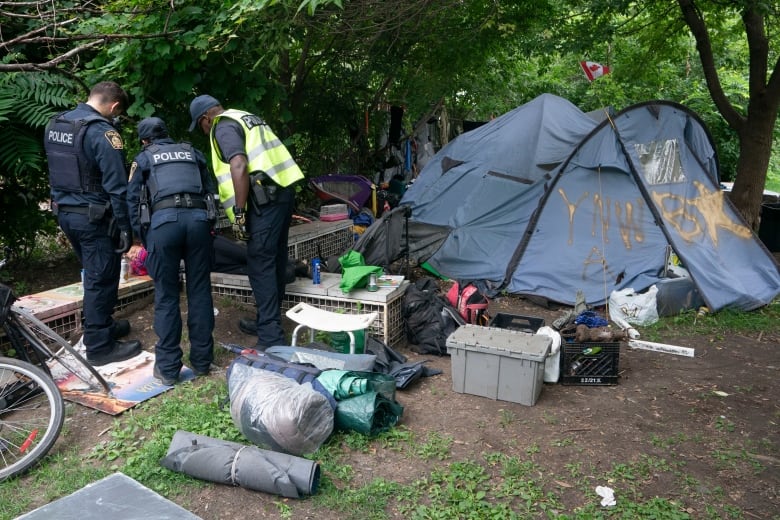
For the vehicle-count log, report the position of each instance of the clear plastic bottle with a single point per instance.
(372, 283)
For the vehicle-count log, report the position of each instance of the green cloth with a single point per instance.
(343, 384)
(355, 272)
(370, 413)
(428, 267)
(365, 400)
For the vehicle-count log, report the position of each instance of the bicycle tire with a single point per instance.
(38, 333)
(31, 415)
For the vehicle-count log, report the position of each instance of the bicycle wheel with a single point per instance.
(57, 349)
(31, 415)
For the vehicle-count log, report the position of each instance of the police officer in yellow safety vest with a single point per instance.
(255, 174)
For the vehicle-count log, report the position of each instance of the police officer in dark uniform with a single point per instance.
(172, 208)
(88, 189)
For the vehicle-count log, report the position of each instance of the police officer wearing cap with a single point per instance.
(256, 173)
(172, 209)
(88, 188)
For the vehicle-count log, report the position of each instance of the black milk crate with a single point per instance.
(516, 322)
(579, 368)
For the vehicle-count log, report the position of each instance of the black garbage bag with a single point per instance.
(236, 464)
(429, 318)
(391, 362)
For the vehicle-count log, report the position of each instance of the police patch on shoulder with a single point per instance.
(133, 167)
(115, 139)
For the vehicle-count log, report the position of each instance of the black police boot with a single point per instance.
(248, 326)
(121, 351)
(121, 328)
(167, 381)
(201, 372)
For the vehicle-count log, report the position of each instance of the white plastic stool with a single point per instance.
(319, 319)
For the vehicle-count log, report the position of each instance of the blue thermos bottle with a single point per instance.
(315, 271)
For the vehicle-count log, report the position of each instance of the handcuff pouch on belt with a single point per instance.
(263, 190)
(211, 207)
(144, 211)
(97, 212)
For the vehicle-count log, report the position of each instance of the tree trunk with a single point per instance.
(751, 177)
(755, 149)
(756, 129)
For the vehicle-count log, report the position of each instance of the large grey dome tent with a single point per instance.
(546, 201)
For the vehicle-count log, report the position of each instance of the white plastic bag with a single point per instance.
(635, 308)
(552, 368)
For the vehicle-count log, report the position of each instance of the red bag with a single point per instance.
(472, 305)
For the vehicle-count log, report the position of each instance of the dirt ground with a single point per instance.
(664, 406)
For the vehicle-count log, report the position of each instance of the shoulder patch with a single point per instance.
(133, 167)
(115, 139)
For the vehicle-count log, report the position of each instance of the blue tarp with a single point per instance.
(546, 200)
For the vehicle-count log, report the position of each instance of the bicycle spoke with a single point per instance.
(31, 416)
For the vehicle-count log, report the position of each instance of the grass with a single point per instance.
(440, 485)
(715, 325)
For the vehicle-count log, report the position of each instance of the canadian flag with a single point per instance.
(593, 70)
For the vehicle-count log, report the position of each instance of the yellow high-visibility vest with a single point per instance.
(265, 152)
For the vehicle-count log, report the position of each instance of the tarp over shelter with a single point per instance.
(546, 200)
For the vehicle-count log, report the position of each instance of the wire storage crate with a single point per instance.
(387, 303)
(323, 239)
(387, 327)
(61, 308)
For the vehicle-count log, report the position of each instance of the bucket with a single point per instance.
(339, 341)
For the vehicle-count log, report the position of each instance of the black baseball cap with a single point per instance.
(199, 106)
(152, 128)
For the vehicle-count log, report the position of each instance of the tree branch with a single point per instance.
(695, 21)
(30, 67)
(98, 40)
(24, 38)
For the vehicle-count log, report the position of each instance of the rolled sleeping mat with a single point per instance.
(246, 466)
(322, 359)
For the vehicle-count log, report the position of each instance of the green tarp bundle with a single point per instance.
(366, 400)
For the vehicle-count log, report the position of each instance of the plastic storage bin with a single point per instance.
(516, 322)
(334, 212)
(498, 363)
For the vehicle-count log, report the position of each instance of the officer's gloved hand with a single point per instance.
(125, 241)
(239, 225)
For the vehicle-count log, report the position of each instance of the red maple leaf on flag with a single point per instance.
(593, 70)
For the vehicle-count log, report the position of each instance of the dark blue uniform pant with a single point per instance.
(95, 251)
(176, 235)
(267, 263)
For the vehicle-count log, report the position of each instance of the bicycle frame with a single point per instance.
(34, 342)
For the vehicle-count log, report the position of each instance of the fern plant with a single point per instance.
(27, 102)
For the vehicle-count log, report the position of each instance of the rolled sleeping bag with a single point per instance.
(276, 412)
(246, 466)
